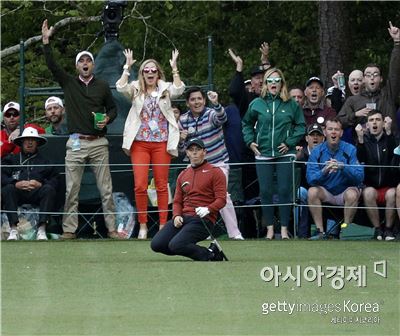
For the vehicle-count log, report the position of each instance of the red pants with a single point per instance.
(142, 154)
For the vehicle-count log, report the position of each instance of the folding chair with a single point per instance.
(332, 217)
(336, 215)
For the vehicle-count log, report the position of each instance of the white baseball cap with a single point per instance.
(53, 100)
(11, 105)
(82, 53)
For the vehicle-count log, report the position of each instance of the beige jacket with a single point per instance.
(166, 92)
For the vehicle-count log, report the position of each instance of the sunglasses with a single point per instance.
(150, 70)
(271, 80)
(11, 114)
(372, 75)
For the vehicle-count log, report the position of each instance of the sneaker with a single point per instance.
(378, 235)
(318, 235)
(142, 234)
(68, 235)
(216, 254)
(113, 235)
(284, 233)
(41, 234)
(238, 237)
(389, 234)
(14, 235)
(270, 234)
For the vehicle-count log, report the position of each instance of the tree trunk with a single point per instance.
(333, 39)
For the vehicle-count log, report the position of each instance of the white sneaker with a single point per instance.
(238, 237)
(14, 235)
(142, 234)
(41, 234)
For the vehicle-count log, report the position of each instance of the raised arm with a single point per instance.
(238, 61)
(121, 84)
(59, 74)
(394, 32)
(46, 32)
(175, 72)
(237, 89)
(394, 65)
(219, 117)
(264, 49)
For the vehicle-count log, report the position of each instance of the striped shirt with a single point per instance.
(208, 127)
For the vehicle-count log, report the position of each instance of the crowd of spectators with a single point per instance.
(344, 143)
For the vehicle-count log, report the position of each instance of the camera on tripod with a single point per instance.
(112, 18)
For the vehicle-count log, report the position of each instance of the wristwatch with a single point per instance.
(126, 67)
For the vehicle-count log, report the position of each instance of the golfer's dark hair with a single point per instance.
(194, 89)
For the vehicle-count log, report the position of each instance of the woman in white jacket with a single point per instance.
(151, 133)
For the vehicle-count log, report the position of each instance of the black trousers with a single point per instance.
(182, 241)
(12, 197)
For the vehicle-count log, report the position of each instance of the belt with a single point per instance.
(90, 137)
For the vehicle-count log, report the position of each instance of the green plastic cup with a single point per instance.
(98, 117)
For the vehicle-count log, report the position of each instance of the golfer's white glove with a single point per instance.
(202, 211)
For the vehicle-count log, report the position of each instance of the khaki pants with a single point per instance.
(95, 153)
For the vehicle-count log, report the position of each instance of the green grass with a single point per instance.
(123, 288)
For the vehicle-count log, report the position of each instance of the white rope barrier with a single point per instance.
(294, 163)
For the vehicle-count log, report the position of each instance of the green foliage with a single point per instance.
(291, 29)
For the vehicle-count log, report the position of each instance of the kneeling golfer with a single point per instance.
(200, 193)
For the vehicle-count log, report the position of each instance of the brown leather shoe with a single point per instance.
(113, 235)
(68, 235)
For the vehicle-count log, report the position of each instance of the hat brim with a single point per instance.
(255, 73)
(316, 81)
(40, 140)
(316, 131)
(195, 144)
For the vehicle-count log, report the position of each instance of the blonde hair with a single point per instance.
(284, 94)
(142, 83)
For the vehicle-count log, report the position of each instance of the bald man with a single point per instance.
(336, 97)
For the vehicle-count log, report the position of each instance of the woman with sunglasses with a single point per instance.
(272, 127)
(151, 133)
